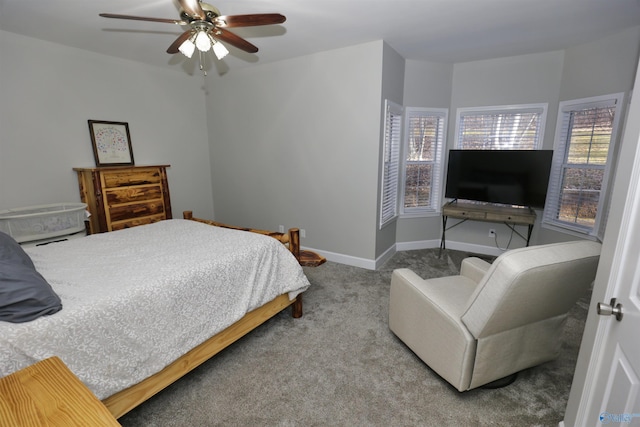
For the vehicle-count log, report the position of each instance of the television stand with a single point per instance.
(487, 212)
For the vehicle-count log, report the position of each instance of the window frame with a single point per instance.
(390, 163)
(437, 181)
(561, 149)
(503, 109)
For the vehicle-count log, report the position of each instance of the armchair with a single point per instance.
(492, 320)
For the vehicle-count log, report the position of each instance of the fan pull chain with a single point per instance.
(202, 63)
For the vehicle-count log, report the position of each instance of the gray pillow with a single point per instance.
(10, 250)
(24, 294)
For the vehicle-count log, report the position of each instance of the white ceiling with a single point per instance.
(432, 30)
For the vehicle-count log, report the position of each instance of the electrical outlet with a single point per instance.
(303, 233)
(281, 228)
(492, 232)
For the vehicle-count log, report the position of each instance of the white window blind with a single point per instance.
(512, 127)
(390, 163)
(582, 158)
(423, 153)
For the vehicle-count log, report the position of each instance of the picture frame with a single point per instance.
(111, 143)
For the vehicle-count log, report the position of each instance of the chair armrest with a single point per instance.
(474, 268)
(425, 315)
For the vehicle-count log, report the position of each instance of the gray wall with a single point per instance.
(296, 143)
(602, 67)
(393, 69)
(522, 79)
(599, 68)
(335, 191)
(293, 143)
(429, 85)
(49, 91)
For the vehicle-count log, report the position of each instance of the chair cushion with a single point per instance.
(530, 284)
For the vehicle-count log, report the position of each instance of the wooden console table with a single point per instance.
(489, 213)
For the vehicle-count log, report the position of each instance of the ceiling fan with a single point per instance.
(207, 28)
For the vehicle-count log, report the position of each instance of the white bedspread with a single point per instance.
(137, 299)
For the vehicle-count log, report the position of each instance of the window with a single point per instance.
(512, 127)
(422, 171)
(585, 137)
(390, 162)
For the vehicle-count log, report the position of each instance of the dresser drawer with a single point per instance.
(136, 210)
(129, 177)
(137, 221)
(137, 193)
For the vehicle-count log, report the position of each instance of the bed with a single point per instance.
(144, 306)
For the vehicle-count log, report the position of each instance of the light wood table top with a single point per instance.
(49, 394)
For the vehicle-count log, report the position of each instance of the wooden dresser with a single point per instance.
(124, 196)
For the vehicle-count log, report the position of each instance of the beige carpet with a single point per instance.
(339, 365)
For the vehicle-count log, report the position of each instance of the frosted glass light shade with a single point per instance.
(187, 48)
(220, 50)
(203, 43)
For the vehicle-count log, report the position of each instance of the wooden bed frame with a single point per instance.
(127, 399)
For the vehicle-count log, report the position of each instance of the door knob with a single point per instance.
(614, 308)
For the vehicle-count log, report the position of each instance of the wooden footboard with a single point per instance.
(291, 239)
(125, 400)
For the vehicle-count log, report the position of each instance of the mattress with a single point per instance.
(135, 300)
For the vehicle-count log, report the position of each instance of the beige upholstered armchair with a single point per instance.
(493, 320)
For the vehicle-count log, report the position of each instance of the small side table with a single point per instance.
(48, 394)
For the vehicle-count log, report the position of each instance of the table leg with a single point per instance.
(442, 238)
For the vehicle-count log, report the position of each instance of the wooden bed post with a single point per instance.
(294, 242)
(296, 307)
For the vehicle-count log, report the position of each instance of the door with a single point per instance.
(615, 389)
(611, 391)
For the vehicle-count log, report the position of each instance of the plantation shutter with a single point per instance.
(390, 163)
(506, 128)
(424, 135)
(577, 185)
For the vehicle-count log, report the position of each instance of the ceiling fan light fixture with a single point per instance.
(203, 42)
(187, 48)
(219, 49)
(206, 26)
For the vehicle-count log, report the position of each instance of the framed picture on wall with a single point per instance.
(111, 143)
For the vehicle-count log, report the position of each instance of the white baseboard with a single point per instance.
(374, 264)
(345, 259)
(457, 246)
(418, 244)
(386, 256)
(476, 249)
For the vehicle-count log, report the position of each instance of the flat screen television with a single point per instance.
(508, 177)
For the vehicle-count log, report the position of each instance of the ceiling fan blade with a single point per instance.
(230, 21)
(143, 18)
(176, 44)
(233, 40)
(192, 8)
